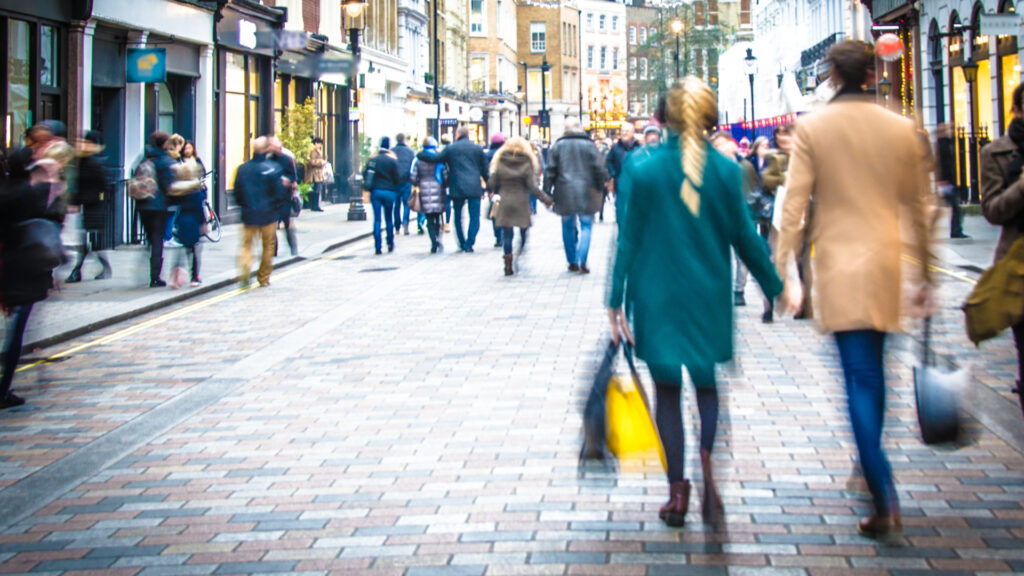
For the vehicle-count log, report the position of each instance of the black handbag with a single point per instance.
(371, 171)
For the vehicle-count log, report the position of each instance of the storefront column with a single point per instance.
(493, 123)
(134, 110)
(204, 106)
(80, 38)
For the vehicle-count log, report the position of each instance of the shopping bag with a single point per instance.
(594, 445)
(997, 301)
(939, 393)
(415, 204)
(630, 432)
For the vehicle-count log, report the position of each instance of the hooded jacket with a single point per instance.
(259, 191)
(426, 176)
(163, 165)
(616, 160)
(575, 175)
(404, 157)
(514, 177)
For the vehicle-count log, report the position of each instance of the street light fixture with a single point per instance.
(520, 97)
(970, 70)
(677, 27)
(354, 11)
(885, 87)
(526, 94)
(750, 65)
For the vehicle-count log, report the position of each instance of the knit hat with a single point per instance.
(498, 138)
(651, 128)
(385, 143)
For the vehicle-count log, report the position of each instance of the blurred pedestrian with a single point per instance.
(446, 141)
(428, 177)
(289, 180)
(672, 269)
(862, 165)
(259, 192)
(153, 211)
(514, 176)
(92, 193)
(174, 145)
(404, 156)
(652, 136)
(945, 156)
(384, 192)
(1002, 199)
(467, 173)
(24, 278)
(773, 179)
(315, 174)
(497, 141)
(616, 159)
(536, 148)
(575, 177)
(189, 194)
(726, 146)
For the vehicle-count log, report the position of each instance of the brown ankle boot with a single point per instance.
(711, 505)
(884, 528)
(508, 265)
(673, 512)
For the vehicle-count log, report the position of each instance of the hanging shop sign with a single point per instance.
(1000, 24)
(146, 65)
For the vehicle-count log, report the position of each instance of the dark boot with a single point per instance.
(711, 505)
(769, 312)
(674, 511)
(508, 265)
(76, 275)
(884, 528)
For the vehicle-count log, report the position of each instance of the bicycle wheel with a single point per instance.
(213, 230)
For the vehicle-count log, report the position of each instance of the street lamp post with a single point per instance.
(526, 96)
(437, 77)
(677, 27)
(354, 11)
(545, 119)
(750, 64)
(520, 96)
(885, 87)
(970, 69)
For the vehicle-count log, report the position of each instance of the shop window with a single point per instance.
(18, 116)
(49, 55)
(1011, 78)
(241, 110)
(165, 111)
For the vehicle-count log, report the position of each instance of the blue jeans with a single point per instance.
(383, 200)
(12, 345)
(172, 215)
(402, 206)
(860, 352)
(577, 239)
(314, 196)
(466, 241)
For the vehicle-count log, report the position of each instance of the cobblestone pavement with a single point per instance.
(418, 415)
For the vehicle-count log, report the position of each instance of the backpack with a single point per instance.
(371, 170)
(143, 184)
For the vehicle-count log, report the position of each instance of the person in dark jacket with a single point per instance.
(467, 168)
(259, 192)
(23, 282)
(93, 189)
(497, 141)
(384, 192)
(616, 159)
(946, 179)
(153, 211)
(575, 177)
(404, 157)
(427, 176)
(290, 176)
(514, 176)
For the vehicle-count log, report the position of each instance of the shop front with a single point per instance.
(33, 64)
(244, 90)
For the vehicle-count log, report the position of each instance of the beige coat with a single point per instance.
(1002, 199)
(862, 164)
(315, 166)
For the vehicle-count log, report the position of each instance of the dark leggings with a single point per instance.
(153, 221)
(1018, 338)
(668, 387)
(434, 229)
(12, 345)
(506, 238)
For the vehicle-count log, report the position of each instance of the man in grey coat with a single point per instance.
(575, 176)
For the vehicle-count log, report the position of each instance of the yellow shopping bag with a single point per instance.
(630, 432)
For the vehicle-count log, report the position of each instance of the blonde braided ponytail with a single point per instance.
(690, 110)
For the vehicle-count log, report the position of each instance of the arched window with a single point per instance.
(935, 62)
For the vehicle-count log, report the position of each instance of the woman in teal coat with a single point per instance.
(673, 265)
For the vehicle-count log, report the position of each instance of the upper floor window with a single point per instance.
(632, 35)
(600, 22)
(590, 57)
(604, 57)
(643, 68)
(632, 68)
(538, 37)
(476, 16)
(590, 20)
(615, 23)
(615, 58)
(643, 35)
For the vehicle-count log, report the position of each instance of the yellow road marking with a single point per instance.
(121, 334)
(940, 270)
